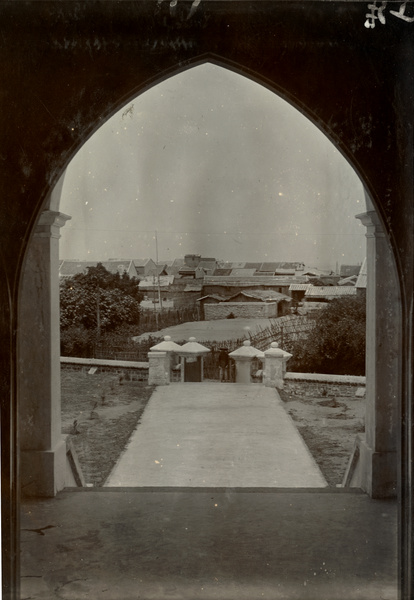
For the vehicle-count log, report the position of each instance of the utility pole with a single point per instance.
(158, 274)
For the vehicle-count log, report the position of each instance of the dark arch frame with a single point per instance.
(56, 84)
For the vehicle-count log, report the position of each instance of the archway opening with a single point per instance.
(188, 160)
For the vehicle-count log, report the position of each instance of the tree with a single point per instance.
(336, 345)
(99, 301)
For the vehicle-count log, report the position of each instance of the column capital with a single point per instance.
(373, 224)
(49, 223)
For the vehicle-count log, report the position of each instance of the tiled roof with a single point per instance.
(214, 296)
(68, 268)
(221, 272)
(252, 281)
(178, 262)
(117, 266)
(242, 272)
(329, 291)
(264, 295)
(298, 287)
(207, 265)
(268, 266)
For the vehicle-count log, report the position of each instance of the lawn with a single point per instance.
(100, 412)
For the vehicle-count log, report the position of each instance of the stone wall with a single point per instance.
(136, 371)
(314, 384)
(240, 309)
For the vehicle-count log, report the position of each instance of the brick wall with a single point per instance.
(240, 309)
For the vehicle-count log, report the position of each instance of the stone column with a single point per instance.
(43, 449)
(159, 368)
(243, 367)
(243, 359)
(376, 452)
(275, 366)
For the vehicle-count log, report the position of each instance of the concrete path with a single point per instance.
(216, 435)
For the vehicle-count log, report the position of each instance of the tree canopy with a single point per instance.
(99, 300)
(336, 345)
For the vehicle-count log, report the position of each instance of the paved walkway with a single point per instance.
(216, 435)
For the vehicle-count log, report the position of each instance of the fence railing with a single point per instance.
(284, 331)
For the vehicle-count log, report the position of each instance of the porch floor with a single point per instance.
(216, 543)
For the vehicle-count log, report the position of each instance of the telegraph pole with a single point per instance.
(158, 275)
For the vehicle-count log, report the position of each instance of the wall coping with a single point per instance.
(350, 379)
(101, 362)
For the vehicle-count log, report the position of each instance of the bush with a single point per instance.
(336, 345)
(76, 341)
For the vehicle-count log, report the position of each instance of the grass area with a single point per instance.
(100, 412)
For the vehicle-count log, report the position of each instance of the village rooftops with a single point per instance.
(70, 268)
(252, 281)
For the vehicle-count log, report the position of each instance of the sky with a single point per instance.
(216, 165)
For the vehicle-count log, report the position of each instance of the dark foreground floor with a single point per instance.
(210, 544)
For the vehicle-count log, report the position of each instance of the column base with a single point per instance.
(373, 472)
(44, 473)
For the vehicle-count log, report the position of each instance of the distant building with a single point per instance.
(144, 266)
(349, 270)
(245, 304)
(326, 293)
(297, 291)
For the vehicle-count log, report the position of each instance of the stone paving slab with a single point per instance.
(216, 435)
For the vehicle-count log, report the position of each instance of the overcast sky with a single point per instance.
(218, 166)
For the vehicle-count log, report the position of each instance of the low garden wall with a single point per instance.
(136, 371)
(323, 385)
